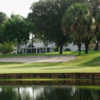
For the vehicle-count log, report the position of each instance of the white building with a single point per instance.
(38, 46)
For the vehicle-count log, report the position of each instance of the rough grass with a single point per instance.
(83, 64)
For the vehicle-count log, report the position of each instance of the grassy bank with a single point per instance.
(84, 63)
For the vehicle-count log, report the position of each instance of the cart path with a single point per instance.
(33, 59)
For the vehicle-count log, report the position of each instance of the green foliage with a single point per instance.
(3, 18)
(95, 10)
(77, 22)
(97, 25)
(94, 6)
(46, 16)
(16, 29)
(6, 48)
(76, 17)
(67, 49)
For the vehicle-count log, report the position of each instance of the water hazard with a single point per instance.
(51, 92)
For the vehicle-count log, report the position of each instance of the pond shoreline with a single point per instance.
(91, 76)
(56, 82)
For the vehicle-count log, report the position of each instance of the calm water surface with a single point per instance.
(49, 93)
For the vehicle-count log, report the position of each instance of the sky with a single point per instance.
(21, 7)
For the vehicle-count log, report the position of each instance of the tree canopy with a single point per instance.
(78, 21)
(3, 18)
(46, 16)
(16, 29)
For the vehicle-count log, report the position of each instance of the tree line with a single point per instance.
(58, 21)
(63, 21)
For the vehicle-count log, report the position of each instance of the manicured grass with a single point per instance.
(82, 64)
(40, 54)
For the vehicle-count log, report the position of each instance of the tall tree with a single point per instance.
(3, 18)
(95, 10)
(46, 16)
(16, 29)
(77, 21)
(94, 6)
(97, 30)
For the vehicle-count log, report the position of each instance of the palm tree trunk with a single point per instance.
(86, 48)
(97, 46)
(61, 49)
(79, 48)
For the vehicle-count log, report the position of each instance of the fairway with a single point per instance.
(82, 64)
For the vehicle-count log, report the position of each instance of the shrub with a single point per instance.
(6, 47)
(56, 49)
(67, 49)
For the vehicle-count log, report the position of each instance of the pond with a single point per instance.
(51, 92)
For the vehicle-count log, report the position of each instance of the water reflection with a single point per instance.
(48, 93)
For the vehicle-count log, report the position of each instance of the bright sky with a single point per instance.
(21, 7)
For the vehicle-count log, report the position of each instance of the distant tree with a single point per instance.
(3, 18)
(94, 6)
(97, 30)
(46, 16)
(16, 29)
(77, 22)
(95, 10)
(6, 47)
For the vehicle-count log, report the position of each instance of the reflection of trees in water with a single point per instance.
(20, 93)
(8, 94)
(95, 94)
(56, 94)
(69, 93)
(48, 93)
